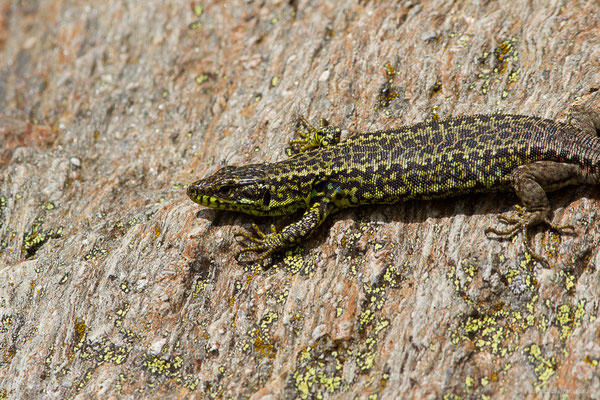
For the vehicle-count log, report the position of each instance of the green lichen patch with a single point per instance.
(260, 337)
(278, 297)
(319, 366)
(569, 279)
(437, 86)
(296, 324)
(2, 209)
(198, 9)
(392, 276)
(371, 324)
(195, 26)
(374, 301)
(389, 94)
(499, 329)
(199, 287)
(48, 360)
(502, 69)
(121, 312)
(544, 367)
(125, 286)
(105, 351)
(96, 253)
(93, 353)
(7, 352)
(568, 318)
(461, 277)
(171, 367)
(318, 371)
(201, 78)
(365, 357)
(6, 321)
(294, 262)
(503, 54)
(83, 380)
(37, 237)
(493, 332)
(47, 206)
(140, 219)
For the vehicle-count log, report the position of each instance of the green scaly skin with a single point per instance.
(478, 153)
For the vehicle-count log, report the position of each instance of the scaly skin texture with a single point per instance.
(478, 153)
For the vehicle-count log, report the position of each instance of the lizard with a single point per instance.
(436, 159)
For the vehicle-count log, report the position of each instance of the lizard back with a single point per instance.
(427, 160)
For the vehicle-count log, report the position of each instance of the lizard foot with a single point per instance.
(312, 137)
(525, 220)
(265, 243)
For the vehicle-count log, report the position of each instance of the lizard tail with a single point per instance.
(586, 118)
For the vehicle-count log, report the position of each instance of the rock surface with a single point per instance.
(114, 284)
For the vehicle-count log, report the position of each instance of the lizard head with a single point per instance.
(243, 189)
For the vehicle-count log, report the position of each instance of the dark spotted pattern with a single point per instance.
(477, 153)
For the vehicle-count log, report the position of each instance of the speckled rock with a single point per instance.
(114, 284)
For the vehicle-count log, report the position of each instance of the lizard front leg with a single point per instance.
(267, 243)
(531, 182)
(313, 138)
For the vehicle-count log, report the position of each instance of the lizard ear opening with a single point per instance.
(266, 198)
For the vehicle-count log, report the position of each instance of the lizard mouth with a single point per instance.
(201, 196)
(192, 192)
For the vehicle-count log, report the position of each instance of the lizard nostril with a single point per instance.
(192, 191)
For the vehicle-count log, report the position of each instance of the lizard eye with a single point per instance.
(224, 190)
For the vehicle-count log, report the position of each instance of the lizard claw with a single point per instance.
(525, 220)
(265, 244)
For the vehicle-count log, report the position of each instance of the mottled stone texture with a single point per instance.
(114, 284)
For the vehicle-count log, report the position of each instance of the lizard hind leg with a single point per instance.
(531, 182)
